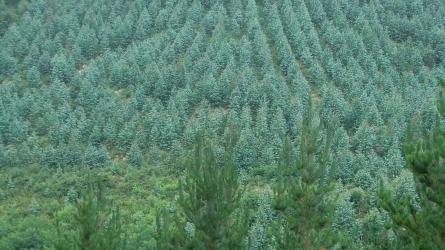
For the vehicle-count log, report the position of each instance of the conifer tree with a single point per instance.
(144, 25)
(99, 226)
(302, 190)
(422, 217)
(134, 156)
(210, 199)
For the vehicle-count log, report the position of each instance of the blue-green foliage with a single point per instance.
(33, 77)
(258, 235)
(96, 157)
(344, 217)
(91, 79)
(394, 160)
(372, 225)
(364, 180)
(365, 138)
(244, 152)
(2, 155)
(134, 156)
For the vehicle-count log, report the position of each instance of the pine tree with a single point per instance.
(423, 217)
(302, 191)
(33, 77)
(10, 184)
(210, 200)
(2, 155)
(87, 41)
(245, 155)
(134, 156)
(144, 25)
(257, 236)
(99, 226)
(73, 153)
(34, 207)
(96, 157)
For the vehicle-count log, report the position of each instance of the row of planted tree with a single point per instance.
(212, 217)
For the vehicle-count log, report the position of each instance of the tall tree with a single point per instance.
(422, 217)
(210, 199)
(302, 190)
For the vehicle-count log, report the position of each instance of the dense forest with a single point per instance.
(222, 124)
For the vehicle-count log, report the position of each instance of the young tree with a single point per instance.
(99, 226)
(143, 25)
(258, 234)
(87, 42)
(245, 155)
(210, 199)
(422, 217)
(33, 77)
(134, 156)
(302, 190)
(96, 157)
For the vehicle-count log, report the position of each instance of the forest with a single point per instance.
(222, 124)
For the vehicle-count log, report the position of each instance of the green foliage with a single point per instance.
(83, 81)
(11, 12)
(210, 200)
(72, 195)
(134, 156)
(302, 192)
(259, 237)
(63, 67)
(34, 207)
(30, 233)
(10, 184)
(374, 231)
(421, 215)
(33, 77)
(344, 217)
(87, 42)
(244, 151)
(96, 157)
(98, 225)
(365, 138)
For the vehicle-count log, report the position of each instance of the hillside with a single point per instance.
(121, 87)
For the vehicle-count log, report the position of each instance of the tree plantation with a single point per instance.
(222, 124)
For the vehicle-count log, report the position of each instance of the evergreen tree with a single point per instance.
(72, 195)
(10, 184)
(394, 160)
(125, 137)
(2, 154)
(210, 199)
(344, 218)
(96, 157)
(134, 156)
(63, 67)
(245, 155)
(143, 25)
(87, 41)
(99, 225)
(25, 155)
(96, 136)
(176, 153)
(302, 191)
(34, 207)
(33, 77)
(258, 234)
(245, 52)
(73, 153)
(10, 156)
(423, 217)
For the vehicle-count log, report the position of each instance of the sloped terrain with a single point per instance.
(123, 86)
